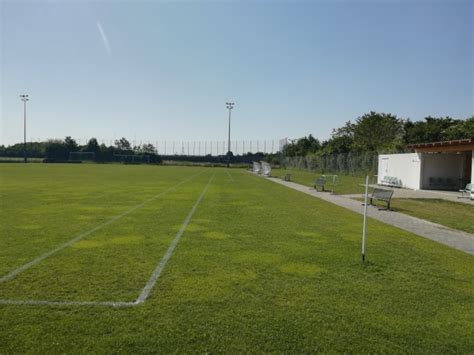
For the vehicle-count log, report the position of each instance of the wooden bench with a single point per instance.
(382, 195)
(287, 177)
(320, 182)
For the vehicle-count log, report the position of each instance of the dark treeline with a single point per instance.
(57, 150)
(351, 148)
(381, 133)
(354, 148)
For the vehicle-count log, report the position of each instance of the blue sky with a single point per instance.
(164, 70)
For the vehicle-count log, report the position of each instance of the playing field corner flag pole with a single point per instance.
(364, 227)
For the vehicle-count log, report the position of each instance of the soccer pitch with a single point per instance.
(108, 258)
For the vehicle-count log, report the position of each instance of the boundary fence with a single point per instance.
(349, 163)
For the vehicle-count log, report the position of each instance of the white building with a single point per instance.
(435, 166)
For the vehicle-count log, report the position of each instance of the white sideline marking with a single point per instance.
(149, 285)
(230, 176)
(156, 274)
(26, 266)
(67, 303)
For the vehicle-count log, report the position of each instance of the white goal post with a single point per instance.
(266, 168)
(256, 167)
(81, 156)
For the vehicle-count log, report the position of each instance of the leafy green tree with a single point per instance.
(461, 130)
(123, 144)
(92, 146)
(148, 148)
(56, 150)
(70, 144)
(341, 140)
(302, 146)
(378, 132)
(431, 129)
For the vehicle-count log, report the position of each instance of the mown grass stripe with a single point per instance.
(46, 255)
(157, 272)
(149, 285)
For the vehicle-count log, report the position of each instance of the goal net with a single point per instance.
(266, 168)
(331, 180)
(81, 156)
(256, 167)
(132, 158)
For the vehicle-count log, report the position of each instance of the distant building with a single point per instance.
(435, 166)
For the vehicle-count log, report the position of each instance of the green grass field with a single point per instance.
(259, 268)
(450, 214)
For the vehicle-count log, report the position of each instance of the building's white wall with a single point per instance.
(441, 166)
(405, 167)
(472, 175)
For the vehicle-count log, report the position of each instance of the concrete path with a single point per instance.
(441, 234)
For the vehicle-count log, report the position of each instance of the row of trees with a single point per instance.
(57, 150)
(382, 132)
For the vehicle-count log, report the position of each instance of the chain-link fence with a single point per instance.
(349, 163)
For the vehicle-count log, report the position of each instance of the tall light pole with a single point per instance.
(24, 98)
(230, 106)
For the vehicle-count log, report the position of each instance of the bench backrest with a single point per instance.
(320, 181)
(382, 194)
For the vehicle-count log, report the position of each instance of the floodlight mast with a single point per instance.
(230, 106)
(24, 98)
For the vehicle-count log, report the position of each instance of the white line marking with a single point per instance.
(156, 274)
(149, 285)
(67, 303)
(230, 176)
(26, 266)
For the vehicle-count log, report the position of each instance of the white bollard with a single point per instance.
(364, 228)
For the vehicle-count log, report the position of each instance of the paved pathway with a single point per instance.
(441, 234)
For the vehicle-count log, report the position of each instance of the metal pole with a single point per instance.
(24, 98)
(228, 138)
(364, 228)
(24, 130)
(230, 106)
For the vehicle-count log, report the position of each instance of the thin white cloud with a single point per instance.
(104, 38)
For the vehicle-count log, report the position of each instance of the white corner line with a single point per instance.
(67, 303)
(40, 258)
(149, 285)
(157, 272)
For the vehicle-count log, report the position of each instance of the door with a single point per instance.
(383, 168)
